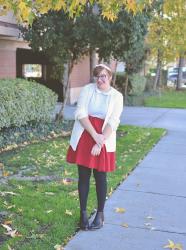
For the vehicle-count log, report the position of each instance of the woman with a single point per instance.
(93, 140)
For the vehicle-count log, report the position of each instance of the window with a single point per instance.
(32, 70)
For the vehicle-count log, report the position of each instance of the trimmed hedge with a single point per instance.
(24, 102)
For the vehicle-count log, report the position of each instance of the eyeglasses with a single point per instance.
(102, 77)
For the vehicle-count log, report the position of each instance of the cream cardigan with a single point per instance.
(112, 118)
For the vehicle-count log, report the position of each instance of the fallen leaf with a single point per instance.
(120, 210)
(58, 247)
(53, 133)
(147, 224)
(8, 228)
(68, 212)
(66, 181)
(125, 225)
(49, 193)
(12, 206)
(13, 234)
(4, 193)
(7, 222)
(173, 246)
(149, 218)
(49, 211)
(111, 191)
(65, 133)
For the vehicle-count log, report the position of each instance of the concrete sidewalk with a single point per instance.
(154, 195)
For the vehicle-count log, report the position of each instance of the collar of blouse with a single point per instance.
(104, 92)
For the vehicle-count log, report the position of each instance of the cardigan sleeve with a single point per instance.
(82, 104)
(114, 118)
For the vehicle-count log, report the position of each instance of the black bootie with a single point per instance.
(98, 221)
(84, 224)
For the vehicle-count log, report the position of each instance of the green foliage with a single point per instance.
(167, 29)
(120, 82)
(58, 37)
(32, 132)
(64, 39)
(128, 39)
(149, 83)
(138, 84)
(24, 102)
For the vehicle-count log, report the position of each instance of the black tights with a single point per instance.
(83, 187)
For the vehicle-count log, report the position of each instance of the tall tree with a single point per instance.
(167, 32)
(28, 10)
(128, 41)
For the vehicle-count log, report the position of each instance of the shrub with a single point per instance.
(30, 133)
(138, 84)
(121, 82)
(24, 102)
(149, 83)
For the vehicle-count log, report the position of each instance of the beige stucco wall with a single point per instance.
(8, 56)
(79, 77)
(10, 40)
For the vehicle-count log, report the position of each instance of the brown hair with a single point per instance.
(98, 68)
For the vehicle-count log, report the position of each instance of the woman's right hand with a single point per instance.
(96, 150)
(99, 139)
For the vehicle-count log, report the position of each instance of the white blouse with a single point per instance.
(98, 105)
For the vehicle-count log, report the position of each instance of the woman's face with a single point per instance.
(103, 80)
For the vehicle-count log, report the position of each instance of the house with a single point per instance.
(9, 42)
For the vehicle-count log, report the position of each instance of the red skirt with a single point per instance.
(104, 162)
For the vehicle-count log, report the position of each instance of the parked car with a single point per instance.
(173, 75)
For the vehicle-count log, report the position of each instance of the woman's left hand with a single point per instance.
(96, 150)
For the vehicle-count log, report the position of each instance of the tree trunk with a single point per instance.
(67, 70)
(179, 77)
(126, 88)
(65, 79)
(93, 63)
(158, 72)
(114, 75)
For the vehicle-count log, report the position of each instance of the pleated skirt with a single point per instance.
(104, 162)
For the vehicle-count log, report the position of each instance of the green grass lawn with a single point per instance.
(46, 213)
(167, 99)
